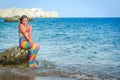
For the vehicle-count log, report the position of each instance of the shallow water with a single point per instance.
(77, 46)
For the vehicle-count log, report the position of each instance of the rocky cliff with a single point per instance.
(32, 13)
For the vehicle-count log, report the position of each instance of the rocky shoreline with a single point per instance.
(15, 19)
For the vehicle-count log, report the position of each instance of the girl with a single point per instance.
(25, 40)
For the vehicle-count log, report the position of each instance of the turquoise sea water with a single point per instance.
(75, 45)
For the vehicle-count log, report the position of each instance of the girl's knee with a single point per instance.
(35, 46)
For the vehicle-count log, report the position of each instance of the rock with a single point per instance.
(14, 57)
(32, 13)
(14, 19)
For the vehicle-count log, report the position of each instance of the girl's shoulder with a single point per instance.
(20, 25)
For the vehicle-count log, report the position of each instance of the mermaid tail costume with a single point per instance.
(32, 49)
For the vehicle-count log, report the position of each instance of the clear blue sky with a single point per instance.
(70, 8)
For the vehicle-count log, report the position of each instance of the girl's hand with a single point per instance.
(31, 42)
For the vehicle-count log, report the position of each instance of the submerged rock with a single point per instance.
(14, 57)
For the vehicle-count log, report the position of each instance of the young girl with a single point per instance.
(25, 40)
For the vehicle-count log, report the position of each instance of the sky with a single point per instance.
(70, 8)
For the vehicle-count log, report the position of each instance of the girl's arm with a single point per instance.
(24, 33)
(30, 34)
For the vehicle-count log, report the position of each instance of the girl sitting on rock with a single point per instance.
(25, 40)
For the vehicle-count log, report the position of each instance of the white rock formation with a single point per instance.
(32, 13)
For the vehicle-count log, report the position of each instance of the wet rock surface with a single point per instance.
(14, 57)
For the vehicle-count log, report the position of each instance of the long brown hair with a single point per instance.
(22, 17)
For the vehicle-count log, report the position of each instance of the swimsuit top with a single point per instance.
(27, 30)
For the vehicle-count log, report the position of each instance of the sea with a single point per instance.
(81, 48)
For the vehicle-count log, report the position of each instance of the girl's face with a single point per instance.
(24, 21)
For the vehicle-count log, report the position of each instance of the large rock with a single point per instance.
(14, 57)
(32, 13)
